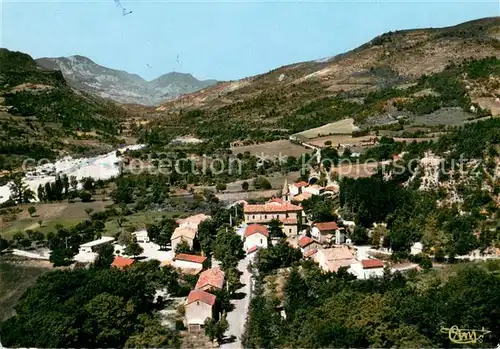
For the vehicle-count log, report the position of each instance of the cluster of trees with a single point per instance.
(95, 307)
(336, 310)
(161, 232)
(177, 168)
(320, 208)
(281, 255)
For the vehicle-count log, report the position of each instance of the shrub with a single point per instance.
(85, 196)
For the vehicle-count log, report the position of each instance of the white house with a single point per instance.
(189, 261)
(199, 307)
(182, 234)
(256, 235)
(307, 244)
(367, 268)
(416, 248)
(296, 188)
(192, 222)
(89, 246)
(326, 232)
(313, 189)
(141, 236)
(331, 259)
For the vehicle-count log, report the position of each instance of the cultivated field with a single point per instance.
(345, 126)
(339, 139)
(138, 221)
(65, 214)
(275, 148)
(445, 116)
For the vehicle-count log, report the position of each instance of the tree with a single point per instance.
(108, 316)
(276, 229)
(41, 193)
(85, 196)
(320, 208)
(220, 187)
(183, 247)
(207, 232)
(228, 248)
(61, 256)
(88, 183)
(73, 182)
(245, 185)
(216, 329)
(31, 210)
(105, 256)
(125, 237)
(233, 276)
(425, 263)
(20, 192)
(296, 293)
(65, 184)
(3, 244)
(378, 233)
(152, 335)
(262, 183)
(133, 248)
(162, 232)
(360, 236)
(89, 211)
(281, 255)
(36, 237)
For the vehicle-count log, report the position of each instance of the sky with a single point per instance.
(224, 40)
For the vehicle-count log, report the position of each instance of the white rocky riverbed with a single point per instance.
(100, 167)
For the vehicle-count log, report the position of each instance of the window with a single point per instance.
(265, 216)
(253, 217)
(261, 241)
(197, 302)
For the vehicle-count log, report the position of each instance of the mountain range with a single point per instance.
(391, 59)
(86, 75)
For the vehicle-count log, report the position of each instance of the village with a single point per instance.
(326, 243)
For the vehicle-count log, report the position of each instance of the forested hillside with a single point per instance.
(41, 115)
(409, 72)
(325, 310)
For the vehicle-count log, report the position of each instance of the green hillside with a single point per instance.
(41, 115)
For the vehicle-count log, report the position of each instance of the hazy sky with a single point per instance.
(215, 39)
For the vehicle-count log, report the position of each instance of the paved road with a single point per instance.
(238, 316)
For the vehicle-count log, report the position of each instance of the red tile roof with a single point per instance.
(332, 188)
(252, 249)
(302, 197)
(310, 253)
(271, 207)
(305, 241)
(372, 263)
(190, 258)
(288, 221)
(256, 229)
(278, 200)
(211, 277)
(122, 262)
(326, 226)
(202, 296)
(300, 184)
